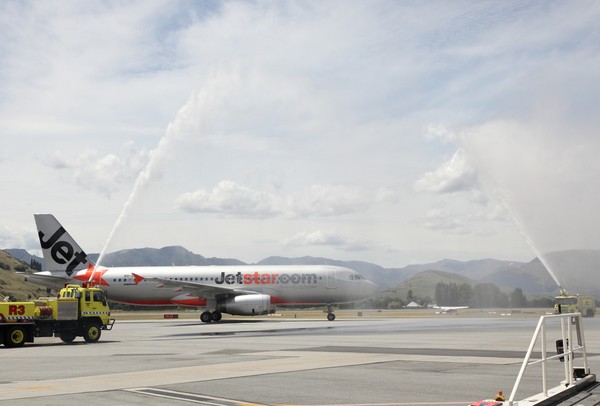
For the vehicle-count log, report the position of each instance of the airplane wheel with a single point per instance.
(206, 317)
(331, 317)
(216, 316)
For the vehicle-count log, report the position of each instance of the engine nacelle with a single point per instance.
(246, 305)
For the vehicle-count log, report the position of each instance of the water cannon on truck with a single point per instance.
(584, 304)
(78, 311)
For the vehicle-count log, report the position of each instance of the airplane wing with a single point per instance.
(46, 279)
(194, 288)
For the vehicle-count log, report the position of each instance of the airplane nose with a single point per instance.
(370, 289)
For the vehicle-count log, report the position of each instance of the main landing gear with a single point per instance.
(207, 317)
(330, 315)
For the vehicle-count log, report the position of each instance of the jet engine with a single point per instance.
(246, 305)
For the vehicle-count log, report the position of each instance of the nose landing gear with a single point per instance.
(330, 315)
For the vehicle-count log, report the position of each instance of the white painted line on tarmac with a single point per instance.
(189, 397)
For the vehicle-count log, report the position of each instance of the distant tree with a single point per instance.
(409, 296)
(395, 305)
(444, 295)
(488, 295)
(388, 302)
(544, 302)
(465, 292)
(440, 294)
(517, 298)
(452, 294)
(35, 265)
(20, 268)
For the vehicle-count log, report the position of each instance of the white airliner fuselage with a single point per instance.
(238, 290)
(168, 285)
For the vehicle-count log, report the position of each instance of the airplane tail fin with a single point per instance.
(62, 255)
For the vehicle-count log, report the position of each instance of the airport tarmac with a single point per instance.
(440, 360)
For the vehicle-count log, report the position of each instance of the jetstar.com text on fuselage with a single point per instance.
(257, 278)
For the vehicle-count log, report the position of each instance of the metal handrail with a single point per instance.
(567, 321)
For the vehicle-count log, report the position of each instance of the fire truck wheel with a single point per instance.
(91, 332)
(67, 336)
(15, 337)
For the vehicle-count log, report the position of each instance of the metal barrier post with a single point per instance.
(569, 347)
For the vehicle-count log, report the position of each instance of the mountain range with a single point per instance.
(532, 277)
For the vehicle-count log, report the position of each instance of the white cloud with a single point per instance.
(328, 200)
(440, 132)
(440, 219)
(102, 174)
(455, 175)
(229, 198)
(327, 238)
(19, 238)
(498, 213)
(56, 160)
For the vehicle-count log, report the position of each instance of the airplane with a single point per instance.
(448, 309)
(237, 290)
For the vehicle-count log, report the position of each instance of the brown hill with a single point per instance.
(422, 285)
(12, 284)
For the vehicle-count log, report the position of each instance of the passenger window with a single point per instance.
(87, 296)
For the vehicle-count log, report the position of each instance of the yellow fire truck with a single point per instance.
(565, 303)
(78, 311)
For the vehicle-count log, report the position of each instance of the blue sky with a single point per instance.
(390, 132)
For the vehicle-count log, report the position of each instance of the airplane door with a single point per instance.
(331, 280)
